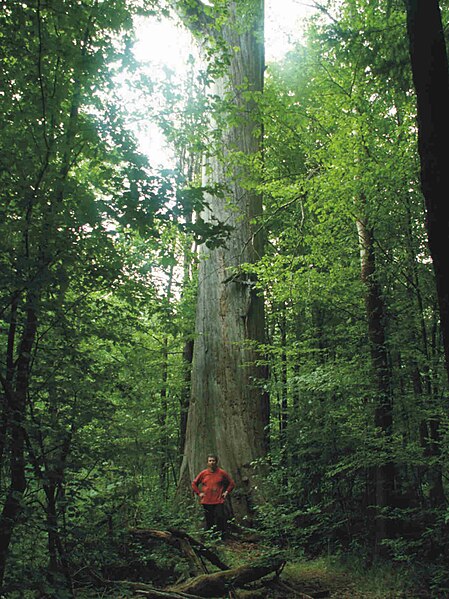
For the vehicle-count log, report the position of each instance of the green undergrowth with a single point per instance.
(351, 579)
(334, 577)
(343, 577)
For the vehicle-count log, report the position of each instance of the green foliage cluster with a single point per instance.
(340, 161)
(97, 285)
(93, 318)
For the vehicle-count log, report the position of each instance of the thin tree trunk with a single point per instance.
(383, 411)
(163, 414)
(162, 418)
(58, 563)
(189, 264)
(51, 476)
(16, 408)
(283, 416)
(429, 430)
(187, 356)
(7, 382)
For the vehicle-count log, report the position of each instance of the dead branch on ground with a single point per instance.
(193, 549)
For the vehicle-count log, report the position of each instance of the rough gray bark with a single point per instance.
(228, 412)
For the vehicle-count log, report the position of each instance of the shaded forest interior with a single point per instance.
(277, 293)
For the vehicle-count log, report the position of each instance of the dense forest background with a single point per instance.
(100, 254)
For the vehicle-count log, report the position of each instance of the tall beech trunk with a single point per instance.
(383, 412)
(228, 412)
(431, 79)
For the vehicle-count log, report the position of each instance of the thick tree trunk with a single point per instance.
(431, 80)
(228, 412)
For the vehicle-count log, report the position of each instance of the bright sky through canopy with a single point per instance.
(166, 44)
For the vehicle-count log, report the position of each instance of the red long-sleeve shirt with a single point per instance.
(213, 485)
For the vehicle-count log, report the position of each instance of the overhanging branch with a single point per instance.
(193, 14)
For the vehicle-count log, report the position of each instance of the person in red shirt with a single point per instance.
(213, 485)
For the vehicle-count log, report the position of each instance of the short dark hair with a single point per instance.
(212, 455)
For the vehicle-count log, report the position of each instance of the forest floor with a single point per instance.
(320, 578)
(329, 578)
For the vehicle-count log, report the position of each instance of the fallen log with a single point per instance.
(157, 594)
(165, 595)
(146, 590)
(192, 549)
(220, 583)
(201, 549)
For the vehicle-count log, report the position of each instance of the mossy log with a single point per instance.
(220, 583)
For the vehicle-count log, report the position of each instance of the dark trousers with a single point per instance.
(215, 516)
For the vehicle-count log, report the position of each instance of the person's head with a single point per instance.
(212, 461)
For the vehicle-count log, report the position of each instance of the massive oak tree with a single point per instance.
(228, 412)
